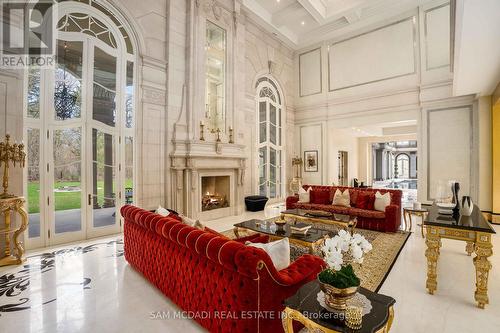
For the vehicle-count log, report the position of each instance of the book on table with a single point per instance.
(300, 227)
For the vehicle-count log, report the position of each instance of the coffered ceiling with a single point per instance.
(299, 23)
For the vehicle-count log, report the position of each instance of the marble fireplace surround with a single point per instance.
(193, 160)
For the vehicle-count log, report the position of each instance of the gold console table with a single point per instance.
(475, 231)
(8, 206)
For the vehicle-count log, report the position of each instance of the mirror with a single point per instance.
(215, 88)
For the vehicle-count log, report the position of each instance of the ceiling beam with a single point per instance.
(291, 13)
(316, 8)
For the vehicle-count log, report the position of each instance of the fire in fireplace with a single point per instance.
(214, 192)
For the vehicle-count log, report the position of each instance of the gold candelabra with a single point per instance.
(10, 153)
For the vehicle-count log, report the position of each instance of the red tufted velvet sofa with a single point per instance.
(223, 283)
(322, 197)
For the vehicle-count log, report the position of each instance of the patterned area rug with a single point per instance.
(377, 263)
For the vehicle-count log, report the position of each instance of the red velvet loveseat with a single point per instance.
(223, 284)
(321, 198)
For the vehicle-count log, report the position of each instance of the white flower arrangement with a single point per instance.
(345, 248)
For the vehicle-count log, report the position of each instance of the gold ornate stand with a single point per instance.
(289, 315)
(407, 214)
(7, 207)
(478, 242)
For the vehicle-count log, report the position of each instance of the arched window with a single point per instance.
(270, 138)
(402, 166)
(79, 125)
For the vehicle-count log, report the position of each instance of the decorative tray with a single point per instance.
(318, 213)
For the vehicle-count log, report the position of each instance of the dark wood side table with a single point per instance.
(305, 308)
(475, 231)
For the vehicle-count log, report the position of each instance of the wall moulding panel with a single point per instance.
(437, 37)
(452, 143)
(310, 73)
(384, 53)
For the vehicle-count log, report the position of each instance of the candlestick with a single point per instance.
(202, 131)
(231, 135)
(218, 135)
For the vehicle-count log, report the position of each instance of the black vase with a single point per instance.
(455, 189)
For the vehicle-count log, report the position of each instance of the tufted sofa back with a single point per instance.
(396, 195)
(220, 281)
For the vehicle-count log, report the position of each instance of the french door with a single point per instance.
(79, 142)
(270, 142)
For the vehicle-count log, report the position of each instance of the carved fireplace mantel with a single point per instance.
(191, 161)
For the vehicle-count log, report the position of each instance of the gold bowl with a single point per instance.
(337, 298)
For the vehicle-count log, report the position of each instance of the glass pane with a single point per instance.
(262, 133)
(279, 116)
(68, 80)
(103, 180)
(104, 101)
(129, 170)
(272, 134)
(262, 111)
(263, 190)
(129, 107)
(272, 114)
(33, 164)
(272, 190)
(272, 157)
(34, 93)
(279, 137)
(262, 165)
(67, 179)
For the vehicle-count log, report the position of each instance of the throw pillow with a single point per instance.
(193, 223)
(320, 197)
(342, 198)
(162, 211)
(304, 196)
(382, 201)
(366, 200)
(278, 251)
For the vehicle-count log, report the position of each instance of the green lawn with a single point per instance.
(64, 200)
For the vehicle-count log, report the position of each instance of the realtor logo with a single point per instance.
(27, 34)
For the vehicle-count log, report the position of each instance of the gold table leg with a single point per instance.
(469, 248)
(483, 249)
(432, 253)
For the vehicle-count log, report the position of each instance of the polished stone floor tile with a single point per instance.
(89, 287)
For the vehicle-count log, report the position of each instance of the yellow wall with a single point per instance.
(496, 161)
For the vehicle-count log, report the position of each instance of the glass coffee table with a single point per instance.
(305, 308)
(313, 239)
(344, 221)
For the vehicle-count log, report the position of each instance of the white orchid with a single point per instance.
(353, 247)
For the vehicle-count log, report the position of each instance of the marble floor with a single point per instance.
(89, 287)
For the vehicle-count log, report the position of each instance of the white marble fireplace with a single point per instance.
(205, 175)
